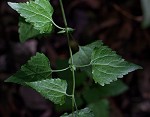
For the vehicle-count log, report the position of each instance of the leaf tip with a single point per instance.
(140, 67)
(13, 5)
(9, 3)
(136, 67)
(8, 80)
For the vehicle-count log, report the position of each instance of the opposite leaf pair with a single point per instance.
(36, 73)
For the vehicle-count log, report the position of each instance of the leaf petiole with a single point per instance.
(61, 28)
(82, 65)
(60, 70)
(68, 95)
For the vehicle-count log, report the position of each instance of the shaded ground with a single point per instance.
(117, 23)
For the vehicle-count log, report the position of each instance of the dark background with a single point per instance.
(116, 22)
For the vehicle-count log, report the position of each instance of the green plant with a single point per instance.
(98, 61)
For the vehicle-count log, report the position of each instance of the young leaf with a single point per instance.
(52, 89)
(107, 66)
(37, 68)
(83, 56)
(145, 7)
(86, 112)
(100, 108)
(38, 12)
(26, 31)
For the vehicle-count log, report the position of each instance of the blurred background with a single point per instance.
(120, 24)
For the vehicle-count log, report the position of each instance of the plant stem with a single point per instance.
(63, 13)
(60, 70)
(72, 65)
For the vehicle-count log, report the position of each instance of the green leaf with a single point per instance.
(145, 7)
(35, 73)
(67, 106)
(91, 95)
(107, 66)
(100, 108)
(26, 31)
(113, 89)
(86, 112)
(38, 13)
(52, 89)
(95, 92)
(37, 68)
(83, 56)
